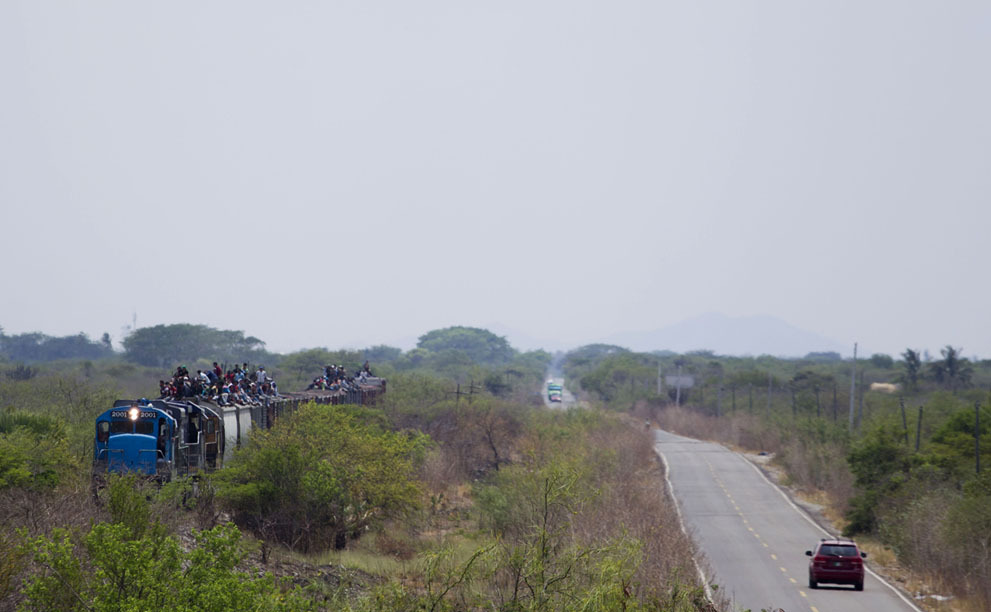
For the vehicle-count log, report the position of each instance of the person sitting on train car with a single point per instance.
(242, 395)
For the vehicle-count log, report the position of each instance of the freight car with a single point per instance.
(166, 438)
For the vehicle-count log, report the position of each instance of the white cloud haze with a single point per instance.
(352, 173)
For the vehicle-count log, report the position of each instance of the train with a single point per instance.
(165, 438)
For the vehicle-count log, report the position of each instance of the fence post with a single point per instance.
(769, 393)
(901, 402)
(918, 430)
(977, 435)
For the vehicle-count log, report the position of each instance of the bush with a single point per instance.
(106, 570)
(33, 451)
(320, 477)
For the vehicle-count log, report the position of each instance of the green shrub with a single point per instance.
(107, 570)
(33, 451)
(320, 477)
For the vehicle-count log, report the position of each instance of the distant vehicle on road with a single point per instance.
(554, 389)
(836, 562)
(554, 396)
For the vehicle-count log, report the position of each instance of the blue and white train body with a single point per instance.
(158, 438)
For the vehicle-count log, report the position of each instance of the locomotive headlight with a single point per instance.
(133, 414)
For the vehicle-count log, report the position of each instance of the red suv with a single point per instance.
(836, 562)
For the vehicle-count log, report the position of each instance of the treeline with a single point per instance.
(35, 347)
(456, 491)
(466, 355)
(899, 463)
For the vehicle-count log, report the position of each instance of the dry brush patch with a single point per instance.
(638, 504)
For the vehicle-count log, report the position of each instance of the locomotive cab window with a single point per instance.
(144, 427)
(121, 427)
(102, 431)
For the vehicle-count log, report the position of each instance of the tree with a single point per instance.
(952, 444)
(912, 365)
(952, 371)
(880, 463)
(498, 424)
(480, 345)
(882, 361)
(382, 353)
(34, 451)
(809, 384)
(36, 346)
(320, 477)
(167, 345)
(111, 571)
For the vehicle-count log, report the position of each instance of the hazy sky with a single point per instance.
(351, 173)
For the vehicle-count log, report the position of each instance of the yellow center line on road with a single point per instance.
(814, 609)
(783, 570)
(802, 593)
(774, 556)
(793, 581)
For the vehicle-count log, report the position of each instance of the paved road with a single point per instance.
(753, 538)
(567, 398)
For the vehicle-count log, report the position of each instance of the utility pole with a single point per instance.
(677, 392)
(751, 389)
(659, 379)
(853, 384)
(472, 390)
(457, 394)
(977, 435)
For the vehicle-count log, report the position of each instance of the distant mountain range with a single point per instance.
(754, 335)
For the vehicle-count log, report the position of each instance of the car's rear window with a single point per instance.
(838, 550)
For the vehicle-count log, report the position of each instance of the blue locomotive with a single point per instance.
(158, 438)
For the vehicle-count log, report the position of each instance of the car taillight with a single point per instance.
(819, 560)
(857, 561)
